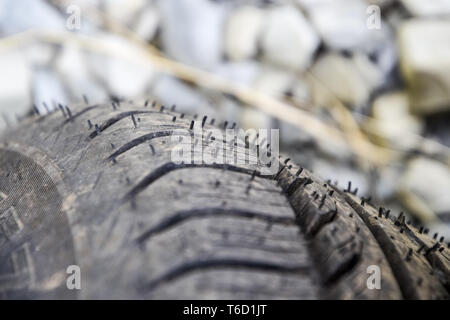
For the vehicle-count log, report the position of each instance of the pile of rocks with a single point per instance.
(387, 61)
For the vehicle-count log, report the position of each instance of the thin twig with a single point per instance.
(350, 127)
(302, 119)
(361, 146)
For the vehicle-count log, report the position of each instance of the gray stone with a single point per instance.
(424, 50)
(288, 39)
(349, 79)
(392, 125)
(387, 183)
(340, 172)
(380, 3)
(243, 72)
(72, 67)
(242, 33)
(300, 91)
(343, 25)
(169, 91)
(15, 87)
(48, 90)
(192, 31)
(127, 78)
(124, 11)
(147, 24)
(19, 16)
(429, 181)
(435, 8)
(252, 118)
(273, 81)
(39, 54)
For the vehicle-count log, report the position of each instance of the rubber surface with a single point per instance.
(95, 186)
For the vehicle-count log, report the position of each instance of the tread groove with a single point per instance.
(73, 117)
(111, 121)
(397, 262)
(143, 237)
(171, 166)
(190, 267)
(135, 142)
(327, 220)
(181, 216)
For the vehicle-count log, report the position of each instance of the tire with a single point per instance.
(95, 187)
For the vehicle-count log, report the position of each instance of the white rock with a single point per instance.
(15, 86)
(18, 16)
(244, 72)
(72, 67)
(147, 24)
(242, 33)
(291, 135)
(255, 119)
(39, 54)
(424, 50)
(127, 78)
(288, 40)
(349, 79)
(124, 11)
(380, 3)
(443, 229)
(341, 173)
(422, 8)
(48, 89)
(387, 184)
(192, 31)
(301, 91)
(387, 57)
(392, 119)
(227, 109)
(273, 81)
(343, 25)
(169, 90)
(371, 73)
(429, 180)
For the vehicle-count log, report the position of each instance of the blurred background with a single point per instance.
(360, 89)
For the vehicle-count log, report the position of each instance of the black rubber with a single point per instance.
(95, 186)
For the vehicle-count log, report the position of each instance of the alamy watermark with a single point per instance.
(73, 281)
(374, 280)
(73, 21)
(373, 21)
(237, 147)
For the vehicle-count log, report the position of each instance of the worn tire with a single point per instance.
(94, 186)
